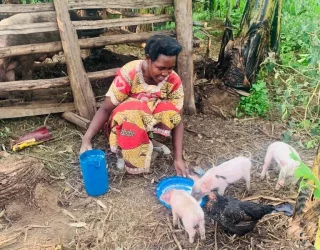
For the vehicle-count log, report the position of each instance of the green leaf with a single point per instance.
(316, 193)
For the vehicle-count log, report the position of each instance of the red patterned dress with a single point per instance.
(141, 108)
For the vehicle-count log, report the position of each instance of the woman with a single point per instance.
(145, 97)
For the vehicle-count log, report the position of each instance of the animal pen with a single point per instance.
(84, 100)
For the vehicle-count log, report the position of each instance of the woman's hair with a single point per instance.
(161, 44)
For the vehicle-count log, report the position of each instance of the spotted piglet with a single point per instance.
(280, 152)
(184, 206)
(221, 176)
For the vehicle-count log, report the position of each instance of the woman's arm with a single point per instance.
(97, 123)
(177, 141)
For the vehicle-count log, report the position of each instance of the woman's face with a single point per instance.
(161, 68)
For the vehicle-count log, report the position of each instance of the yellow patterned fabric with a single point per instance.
(141, 108)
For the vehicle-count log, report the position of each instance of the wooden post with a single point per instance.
(81, 88)
(183, 18)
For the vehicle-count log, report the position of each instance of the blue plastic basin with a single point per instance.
(176, 182)
(94, 172)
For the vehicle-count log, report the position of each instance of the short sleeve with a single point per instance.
(176, 96)
(119, 90)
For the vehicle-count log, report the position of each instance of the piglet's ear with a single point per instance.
(166, 197)
(204, 188)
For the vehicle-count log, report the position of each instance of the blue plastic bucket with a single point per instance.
(94, 172)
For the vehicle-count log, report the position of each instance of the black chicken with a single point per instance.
(239, 217)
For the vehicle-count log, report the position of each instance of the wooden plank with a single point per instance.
(33, 109)
(84, 43)
(119, 22)
(82, 25)
(81, 88)
(28, 28)
(184, 23)
(6, 9)
(51, 83)
(118, 4)
(84, 4)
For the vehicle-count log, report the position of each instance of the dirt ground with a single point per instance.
(58, 214)
(129, 216)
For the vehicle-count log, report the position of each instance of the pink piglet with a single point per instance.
(221, 176)
(280, 152)
(184, 206)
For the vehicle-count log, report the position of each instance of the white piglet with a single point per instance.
(184, 206)
(280, 152)
(221, 176)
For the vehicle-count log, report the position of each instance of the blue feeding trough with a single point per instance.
(94, 172)
(176, 182)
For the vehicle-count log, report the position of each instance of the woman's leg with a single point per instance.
(167, 117)
(130, 123)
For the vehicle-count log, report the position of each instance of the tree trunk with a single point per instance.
(18, 175)
(240, 59)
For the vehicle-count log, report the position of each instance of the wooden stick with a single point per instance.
(76, 119)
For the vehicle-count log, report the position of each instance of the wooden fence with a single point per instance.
(84, 101)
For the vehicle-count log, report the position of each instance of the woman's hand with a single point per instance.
(86, 145)
(180, 167)
(97, 123)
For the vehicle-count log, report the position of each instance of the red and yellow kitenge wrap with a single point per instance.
(141, 108)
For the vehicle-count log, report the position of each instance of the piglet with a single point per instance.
(280, 152)
(184, 206)
(221, 176)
